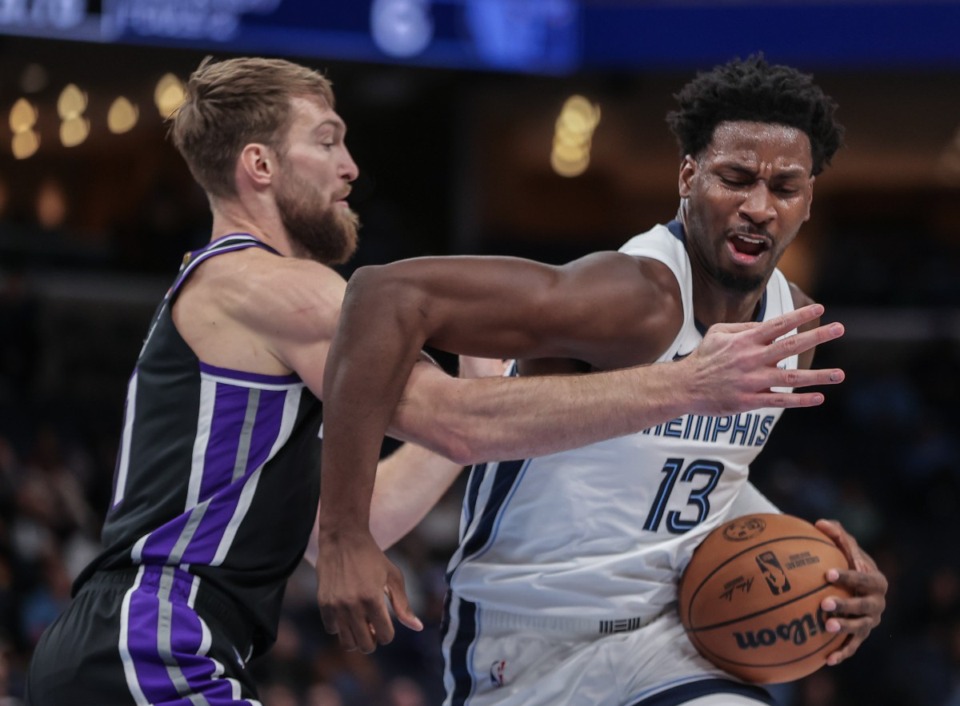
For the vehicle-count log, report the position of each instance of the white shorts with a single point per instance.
(499, 659)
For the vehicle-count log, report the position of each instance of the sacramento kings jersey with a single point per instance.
(601, 533)
(218, 470)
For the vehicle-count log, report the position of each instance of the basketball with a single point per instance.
(750, 597)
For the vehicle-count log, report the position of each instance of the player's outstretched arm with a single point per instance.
(511, 308)
(859, 615)
(733, 371)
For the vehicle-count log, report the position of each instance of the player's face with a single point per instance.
(313, 184)
(745, 199)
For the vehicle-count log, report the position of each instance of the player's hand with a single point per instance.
(735, 367)
(858, 615)
(355, 581)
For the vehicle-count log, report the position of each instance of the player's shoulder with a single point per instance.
(255, 284)
(626, 269)
(800, 298)
(258, 272)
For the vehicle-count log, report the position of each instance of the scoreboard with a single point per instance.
(534, 36)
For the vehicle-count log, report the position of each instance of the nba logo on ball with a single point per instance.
(750, 597)
(776, 577)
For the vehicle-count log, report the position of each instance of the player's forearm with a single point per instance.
(367, 367)
(497, 418)
(409, 484)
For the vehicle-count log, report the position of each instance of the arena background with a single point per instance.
(456, 118)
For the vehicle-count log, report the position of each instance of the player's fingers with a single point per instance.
(835, 531)
(866, 610)
(806, 378)
(798, 343)
(329, 618)
(378, 614)
(377, 626)
(846, 651)
(350, 626)
(346, 636)
(861, 583)
(779, 325)
(859, 559)
(767, 331)
(401, 607)
(787, 400)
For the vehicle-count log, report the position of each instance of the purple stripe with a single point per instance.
(229, 411)
(160, 543)
(242, 241)
(242, 236)
(290, 379)
(185, 640)
(203, 546)
(266, 428)
(230, 406)
(197, 669)
(142, 644)
(217, 484)
(199, 256)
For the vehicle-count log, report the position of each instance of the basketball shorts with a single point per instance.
(501, 659)
(143, 636)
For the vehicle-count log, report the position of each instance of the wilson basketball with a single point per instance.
(750, 597)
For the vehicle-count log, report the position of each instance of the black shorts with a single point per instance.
(149, 635)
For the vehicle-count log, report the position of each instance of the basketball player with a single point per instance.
(563, 588)
(216, 484)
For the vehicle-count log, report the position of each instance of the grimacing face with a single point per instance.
(744, 200)
(314, 182)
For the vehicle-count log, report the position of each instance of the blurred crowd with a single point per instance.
(880, 456)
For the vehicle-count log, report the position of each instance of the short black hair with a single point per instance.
(751, 89)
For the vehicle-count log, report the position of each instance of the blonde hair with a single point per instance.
(230, 104)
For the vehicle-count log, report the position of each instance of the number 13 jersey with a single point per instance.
(602, 533)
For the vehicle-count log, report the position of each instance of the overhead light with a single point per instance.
(23, 116)
(572, 137)
(74, 128)
(73, 131)
(122, 116)
(25, 144)
(72, 102)
(168, 95)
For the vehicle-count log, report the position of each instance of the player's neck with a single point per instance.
(714, 304)
(231, 217)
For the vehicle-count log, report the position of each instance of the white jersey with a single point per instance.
(600, 534)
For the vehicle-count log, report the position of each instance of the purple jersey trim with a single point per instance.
(245, 376)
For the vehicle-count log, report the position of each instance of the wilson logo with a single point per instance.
(797, 631)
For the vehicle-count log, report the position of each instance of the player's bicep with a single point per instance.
(509, 307)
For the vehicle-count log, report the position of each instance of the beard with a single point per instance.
(740, 283)
(327, 235)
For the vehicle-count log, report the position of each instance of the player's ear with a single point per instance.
(258, 163)
(688, 169)
(809, 188)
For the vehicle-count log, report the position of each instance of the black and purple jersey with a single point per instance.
(218, 473)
